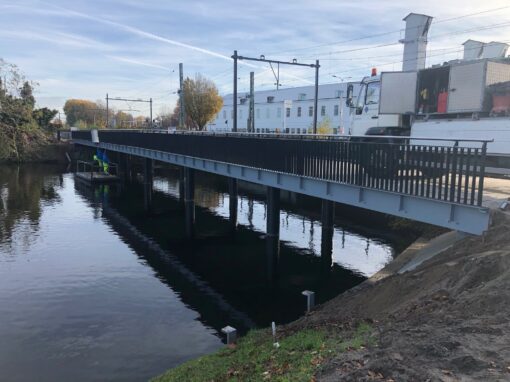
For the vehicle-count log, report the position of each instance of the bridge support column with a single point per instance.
(181, 185)
(189, 201)
(232, 197)
(147, 182)
(327, 220)
(273, 231)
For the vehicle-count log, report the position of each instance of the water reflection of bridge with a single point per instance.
(217, 275)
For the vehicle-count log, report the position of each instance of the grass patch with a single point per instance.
(298, 358)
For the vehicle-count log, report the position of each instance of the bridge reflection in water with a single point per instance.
(223, 276)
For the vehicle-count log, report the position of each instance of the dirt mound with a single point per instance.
(447, 320)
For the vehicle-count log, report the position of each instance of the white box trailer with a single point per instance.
(463, 85)
(452, 101)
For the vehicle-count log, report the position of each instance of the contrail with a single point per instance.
(136, 62)
(155, 37)
(145, 34)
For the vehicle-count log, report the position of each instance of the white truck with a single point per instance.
(456, 100)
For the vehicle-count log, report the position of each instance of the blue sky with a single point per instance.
(131, 48)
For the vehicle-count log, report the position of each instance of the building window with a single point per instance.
(268, 113)
(241, 114)
(310, 111)
(299, 131)
(335, 110)
(278, 113)
(270, 99)
(338, 93)
(302, 96)
(299, 111)
(224, 114)
(258, 113)
(287, 112)
(232, 114)
(323, 110)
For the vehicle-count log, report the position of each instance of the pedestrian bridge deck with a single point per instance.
(438, 184)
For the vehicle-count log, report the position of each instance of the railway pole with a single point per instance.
(316, 100)
(234, 97)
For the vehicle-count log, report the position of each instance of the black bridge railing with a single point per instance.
(451, 171)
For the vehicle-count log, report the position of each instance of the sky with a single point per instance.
(132, 48)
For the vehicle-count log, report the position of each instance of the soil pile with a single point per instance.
(447, 320)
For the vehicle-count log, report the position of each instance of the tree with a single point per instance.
(43, 117)
(90, 113)
(27, 94)
(201, 100)
(19, 132)
(324, 127)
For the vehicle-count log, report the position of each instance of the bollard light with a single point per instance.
(231, 334)
(310, 299)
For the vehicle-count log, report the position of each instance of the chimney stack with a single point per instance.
(415, 41)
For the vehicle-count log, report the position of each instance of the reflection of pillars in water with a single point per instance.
(273, 232)
(148, 176)
(250, 213)
(189, 201)
(368, 246)
(327, 219)
(181, 185)
(232, 203)
(343, 238)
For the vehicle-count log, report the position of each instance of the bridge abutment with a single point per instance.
(189, 201)
(273, 231)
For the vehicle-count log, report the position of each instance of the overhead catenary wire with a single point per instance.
(342, 42)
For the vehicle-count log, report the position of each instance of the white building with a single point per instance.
(288, 110)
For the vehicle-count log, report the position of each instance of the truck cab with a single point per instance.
(364, 113)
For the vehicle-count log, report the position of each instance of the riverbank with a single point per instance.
(445, 319)
(52, 152)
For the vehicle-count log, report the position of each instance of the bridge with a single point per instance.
(440, 183)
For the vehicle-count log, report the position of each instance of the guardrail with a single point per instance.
(452, 171)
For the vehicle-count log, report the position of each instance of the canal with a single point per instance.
(93, 287)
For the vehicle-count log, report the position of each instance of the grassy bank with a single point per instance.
(255, 358)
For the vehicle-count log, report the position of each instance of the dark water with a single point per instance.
(94, 288)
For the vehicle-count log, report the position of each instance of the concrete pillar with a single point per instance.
(189, 201)
(327, 220)
(273, 231)
(181, 185)
(128, 167)
(232, 196)
(147, 182)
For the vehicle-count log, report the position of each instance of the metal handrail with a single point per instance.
(296, 136)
